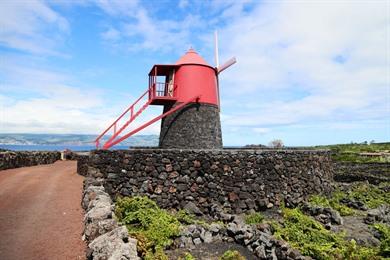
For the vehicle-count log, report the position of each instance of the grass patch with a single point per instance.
(333, 202)
(384, 231)
(356, 158)
(232, 255)
(254, 218)
(351, 152)
(370, 195)
(184, 217)
(153, 227)
(312, 239)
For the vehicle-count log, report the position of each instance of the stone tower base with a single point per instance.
(196, 126)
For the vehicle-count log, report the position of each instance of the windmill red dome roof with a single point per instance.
(191, 57)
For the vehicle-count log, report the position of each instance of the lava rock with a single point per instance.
(336, 217)
(191, 208)
(197, 241)
(115, 244)
(380, 214)
(94, 229)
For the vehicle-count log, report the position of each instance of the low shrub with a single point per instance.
(254, 218)
(152, 226)
(333, 202)
(371, 195)
(184, 217)
(384, 231)
(312, 239)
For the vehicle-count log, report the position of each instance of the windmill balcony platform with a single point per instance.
(162, 93)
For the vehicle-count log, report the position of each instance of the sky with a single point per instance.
(307, 72)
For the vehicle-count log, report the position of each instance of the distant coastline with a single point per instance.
(67, 140)
(76, 148)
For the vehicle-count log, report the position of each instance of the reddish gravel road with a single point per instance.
(40, 213)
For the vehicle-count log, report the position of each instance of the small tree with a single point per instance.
(277, 143)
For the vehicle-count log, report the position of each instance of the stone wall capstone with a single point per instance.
(201, 180)
(10, 159)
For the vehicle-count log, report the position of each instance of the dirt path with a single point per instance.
(40, 212)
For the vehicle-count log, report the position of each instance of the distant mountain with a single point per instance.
(70, 139)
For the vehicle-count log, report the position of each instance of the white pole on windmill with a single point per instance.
(216, 55)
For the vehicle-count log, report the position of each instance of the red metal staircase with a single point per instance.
(155, 96)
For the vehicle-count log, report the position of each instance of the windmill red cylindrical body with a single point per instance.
(194, 76)
(196, 125)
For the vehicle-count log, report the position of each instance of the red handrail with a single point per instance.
(131, 109)
(108, 144)
(156, 90)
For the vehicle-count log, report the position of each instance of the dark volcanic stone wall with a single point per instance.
(234, 180)
(196, 126)
(9, 160)
(371, 172)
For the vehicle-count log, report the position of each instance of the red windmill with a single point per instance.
(189, 93)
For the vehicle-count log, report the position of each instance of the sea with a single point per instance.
(76, 148)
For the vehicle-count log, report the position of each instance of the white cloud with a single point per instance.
(31, 26)
(48, 103)
(139, 30)
(336, 53)
(261, 130)
(118, 7)
(40, 100)
(183, 4)
(111, 35)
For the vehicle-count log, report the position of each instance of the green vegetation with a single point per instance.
(187, 256)
(153, 227)
(333, 202)
(232, 255)
(384, 231)
(384, 185)
(356, 158)
(312, 239)
(353, 152)
(254, 218)
(184, 217)
(372, 196)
